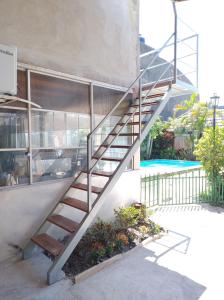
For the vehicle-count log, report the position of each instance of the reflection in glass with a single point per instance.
(13, 129)
(13, 168)
(57, 164)
(52, 129)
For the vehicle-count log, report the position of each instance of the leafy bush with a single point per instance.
(131, 216)
(210, 151)
(105, 239)
(157, 130)
(168, 153)
(102, 232)
(154, 228)
(97, 252)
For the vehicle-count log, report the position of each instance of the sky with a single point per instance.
(207, 19)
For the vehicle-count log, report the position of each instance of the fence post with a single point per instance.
(157, 184)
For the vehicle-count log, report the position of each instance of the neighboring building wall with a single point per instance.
(154, 75)
(96, 39)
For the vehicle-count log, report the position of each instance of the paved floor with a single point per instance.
(186, 264)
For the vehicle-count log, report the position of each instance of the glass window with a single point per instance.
(57, 164)
(13, 129)
(13, 168)
(58, 130)
(72, 132)
(84, 129)
(42, 129)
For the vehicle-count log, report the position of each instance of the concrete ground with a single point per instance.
(186, 264)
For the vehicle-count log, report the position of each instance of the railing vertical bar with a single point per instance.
(191, 187)
(182, 184)
(146, 189)
(89, 157)
(30, 156)
(172, 189)
(165, 183)
(222, 190)
(153, 187)
(196, 187)
(140, 107)
(175, 189)
(175, 42)
(197, 60)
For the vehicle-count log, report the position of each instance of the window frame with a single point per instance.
(28, 69)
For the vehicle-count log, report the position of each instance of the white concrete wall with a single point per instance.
(22, 209)
(96, 39)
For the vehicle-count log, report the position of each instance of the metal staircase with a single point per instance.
(85, 194)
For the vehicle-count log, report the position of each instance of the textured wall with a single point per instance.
(96, 39)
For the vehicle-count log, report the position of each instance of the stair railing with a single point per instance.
(90, 163)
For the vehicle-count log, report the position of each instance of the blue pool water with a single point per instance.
(178, 164)
(161, 166)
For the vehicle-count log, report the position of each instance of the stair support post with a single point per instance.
(175, 42)
(140, 107)
(89, 173)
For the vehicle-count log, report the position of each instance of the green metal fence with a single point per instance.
(184, 187)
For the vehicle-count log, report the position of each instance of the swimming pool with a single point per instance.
(155, 166)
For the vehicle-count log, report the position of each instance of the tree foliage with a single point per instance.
(156, 131)
(210, 151)
(194, 120)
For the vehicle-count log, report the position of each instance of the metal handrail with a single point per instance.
(169, 45)
(158, 80)
(167, 62)
(184, 23)
(90, 167)
(125, 123)
(130, 87)
(92, 163)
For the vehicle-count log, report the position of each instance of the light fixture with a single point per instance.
(214, 100)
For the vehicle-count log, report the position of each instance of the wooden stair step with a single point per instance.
(147, 112)
(84, 187)
(145, 104)
(130, 123)
(158, 95)
(117, 146)
(48, 243)
(101, 173)
(63, 222)
(160, 84)
(109, 158)
(75, 203)
(125, 134)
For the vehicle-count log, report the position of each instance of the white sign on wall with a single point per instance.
(8, 70)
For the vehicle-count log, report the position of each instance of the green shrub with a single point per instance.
(102, 232)
(209, 151)
(154, 228)
(97, 253)
(131, 216)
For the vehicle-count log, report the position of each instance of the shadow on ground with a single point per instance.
(133, 278)
(136, 278)
(188, 208)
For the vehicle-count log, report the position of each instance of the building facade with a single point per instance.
(75, 60)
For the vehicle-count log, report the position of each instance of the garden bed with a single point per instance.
(106, 242)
